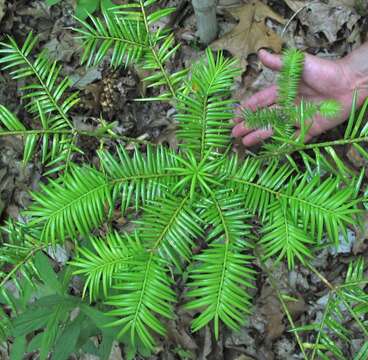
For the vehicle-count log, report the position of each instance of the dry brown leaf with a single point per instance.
(297, 5)
(252, 33)
(270, 307)
(328, 19)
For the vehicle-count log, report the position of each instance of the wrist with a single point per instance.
(356, 66)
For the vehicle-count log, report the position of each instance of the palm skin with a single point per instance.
(322, 79)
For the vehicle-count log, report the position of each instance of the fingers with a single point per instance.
(240, 130)
(269, 60)
(264, 98)
(261, 99)
(267, 96)
(256, 137)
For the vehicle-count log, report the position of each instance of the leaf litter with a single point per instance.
(251, 33)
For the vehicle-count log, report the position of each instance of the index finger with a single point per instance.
(263, 98)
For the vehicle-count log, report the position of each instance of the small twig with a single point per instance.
(292, 18)
(322, 278)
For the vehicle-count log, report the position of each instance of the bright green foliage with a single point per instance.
(290, 75)
(176, 241)
(329, 108)
(126, 33)
(219, 286)
(46, 101)
(220, 275)
(283, 229)
(45, 97)
(202, 112)
(127, 38)
(108, 257)
(144, 292)
(140, 177)
(86, 7)
(346, 298)
(74, 207)
(192, 210)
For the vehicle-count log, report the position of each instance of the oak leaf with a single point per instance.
(251, 33)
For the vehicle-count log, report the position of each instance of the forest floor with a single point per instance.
(329, 28)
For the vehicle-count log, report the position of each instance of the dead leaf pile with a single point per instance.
(326, 23)
(251, 33)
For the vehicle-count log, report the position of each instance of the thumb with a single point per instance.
(269, 60)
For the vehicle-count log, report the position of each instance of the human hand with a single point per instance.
(321, 80)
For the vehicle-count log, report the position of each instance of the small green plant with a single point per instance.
(62, 317)
(200, 196)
